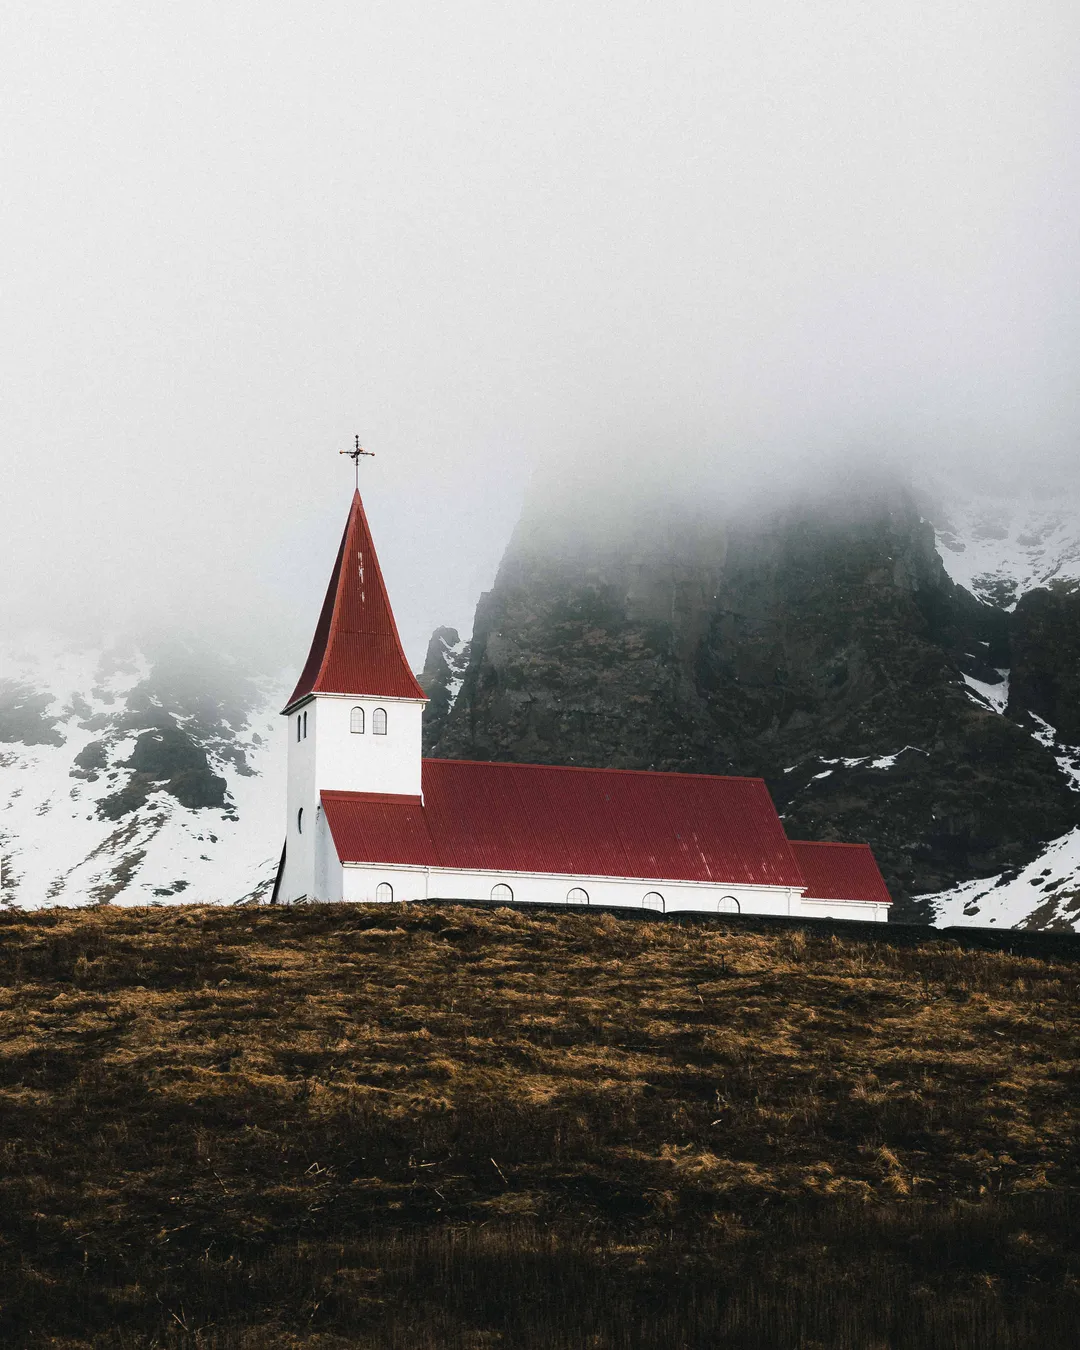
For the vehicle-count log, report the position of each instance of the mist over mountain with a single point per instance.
(657, 272)
(813, 636)
(723, 240)
(901, 666)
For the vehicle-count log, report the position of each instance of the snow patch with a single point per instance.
(456, 656)
(1045, 894)
(1067, 756)
(1044, 733)
(993, 696)
(999, 548)
(881, 762)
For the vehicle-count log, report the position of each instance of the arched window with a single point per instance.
(305, 724)
(300, 821)
(384, 892)
(654, 900)
(727, 904)
(576, 896)
(356, 721)
(299, 725)
(502, 893)
(378, 722)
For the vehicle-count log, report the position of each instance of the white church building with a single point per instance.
(370, 819)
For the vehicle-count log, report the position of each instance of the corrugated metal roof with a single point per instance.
(840, 872)
(570, 821)
(356, 648)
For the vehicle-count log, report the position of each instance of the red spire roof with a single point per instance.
(356, 648)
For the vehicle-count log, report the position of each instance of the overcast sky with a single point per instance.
(494, 239)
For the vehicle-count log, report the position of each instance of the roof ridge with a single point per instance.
(405, 798)
(596, 768)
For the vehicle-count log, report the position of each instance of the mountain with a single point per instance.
(1000, 546)
(444, 670)
(902, 667)
(1024, 557)
(136, 775)
(825, 643)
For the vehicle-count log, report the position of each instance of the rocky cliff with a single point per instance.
(1044, 633)
(821, 645)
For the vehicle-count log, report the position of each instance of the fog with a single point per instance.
(690, 244)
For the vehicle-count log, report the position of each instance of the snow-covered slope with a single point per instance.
(1044, 895)
(136, 777)
(1000, 547)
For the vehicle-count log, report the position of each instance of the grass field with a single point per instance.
(421, 1128)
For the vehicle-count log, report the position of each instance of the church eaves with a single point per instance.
(356, 649)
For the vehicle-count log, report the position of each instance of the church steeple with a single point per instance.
(356, 649)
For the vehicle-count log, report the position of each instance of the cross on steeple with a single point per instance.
(354, 455)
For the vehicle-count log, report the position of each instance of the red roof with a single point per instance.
(570, 821)
(840, 872)
(356, 649)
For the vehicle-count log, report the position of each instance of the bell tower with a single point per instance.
(354, 718)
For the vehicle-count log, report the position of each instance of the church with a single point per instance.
(370, 819)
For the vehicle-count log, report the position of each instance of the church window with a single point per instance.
(727, 904)
(378, 722)
(356, 721)
(502, 893)
(305, 725)
(384, 892)
(576, 896)
(654, 900)
(300, 821)
(299, 724)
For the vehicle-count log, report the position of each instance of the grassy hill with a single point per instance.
(452, 1127)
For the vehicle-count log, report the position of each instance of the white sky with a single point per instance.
(492, 238)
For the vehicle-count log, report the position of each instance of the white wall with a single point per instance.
(298, 877)
(361, 879)
(346, 762)
(842, 909)
(328, 870)
(359, 882)
(333, 758)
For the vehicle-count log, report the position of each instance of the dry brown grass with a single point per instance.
(420, 1127)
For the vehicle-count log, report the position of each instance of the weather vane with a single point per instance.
(354, 455)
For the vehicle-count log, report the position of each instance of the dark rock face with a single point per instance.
(444, 666)
(91, 761)
(781, 648)
(24, 716)
(167, 758)
(93, 757)
(1044, 633)
(187, 707)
